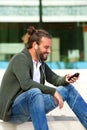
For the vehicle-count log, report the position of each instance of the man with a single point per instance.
(23, 94)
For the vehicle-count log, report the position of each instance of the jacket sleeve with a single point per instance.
(22, 70)
(53, 78)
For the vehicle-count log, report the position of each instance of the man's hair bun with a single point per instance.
(31, 30)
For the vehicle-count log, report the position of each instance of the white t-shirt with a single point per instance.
(36, 72)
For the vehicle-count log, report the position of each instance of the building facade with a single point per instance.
(66, 20)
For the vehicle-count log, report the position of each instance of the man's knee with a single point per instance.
(33, 92)
(63, 92)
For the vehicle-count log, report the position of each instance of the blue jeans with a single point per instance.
(33, 105)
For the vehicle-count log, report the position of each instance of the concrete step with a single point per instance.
(57, 123)
(7, 126)
(54, 123)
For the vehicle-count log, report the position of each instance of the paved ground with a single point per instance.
(63, 119)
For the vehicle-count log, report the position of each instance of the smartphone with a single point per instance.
(74, 75)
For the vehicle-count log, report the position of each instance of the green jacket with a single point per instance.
(18, 79)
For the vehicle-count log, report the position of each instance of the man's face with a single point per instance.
(44, 48)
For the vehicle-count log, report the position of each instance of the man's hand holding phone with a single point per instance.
(72, 78)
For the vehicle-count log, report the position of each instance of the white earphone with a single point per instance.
(36, 47)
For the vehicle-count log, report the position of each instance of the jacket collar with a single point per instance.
(26, 52)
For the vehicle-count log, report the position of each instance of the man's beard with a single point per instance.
(43, 57)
